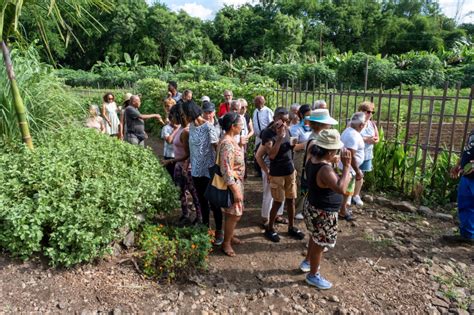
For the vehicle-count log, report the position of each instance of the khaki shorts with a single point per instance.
(283, 187)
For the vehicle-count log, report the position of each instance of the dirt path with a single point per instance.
(386, 261)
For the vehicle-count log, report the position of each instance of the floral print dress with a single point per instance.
(232, 165)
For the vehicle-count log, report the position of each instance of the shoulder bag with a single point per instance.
(217, 192)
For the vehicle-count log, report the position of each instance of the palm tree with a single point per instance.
(64, 13)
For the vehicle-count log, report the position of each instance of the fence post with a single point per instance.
(468, 116)
(455, 113)
(407, 135)
(417, 146)
(427, 137)
(366, 74)
(440, 124)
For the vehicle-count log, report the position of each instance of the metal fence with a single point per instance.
(426, 122)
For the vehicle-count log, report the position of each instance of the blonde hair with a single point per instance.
(243, 102)
(170, 101)
(365, 105)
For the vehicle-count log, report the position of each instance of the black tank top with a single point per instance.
(322, 198)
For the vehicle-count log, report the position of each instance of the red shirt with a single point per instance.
(224, 108)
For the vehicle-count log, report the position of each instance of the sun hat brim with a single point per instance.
(329, 146)
(325, 120)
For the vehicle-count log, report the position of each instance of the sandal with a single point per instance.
(228, 252)
(281, 220)
(272, 236)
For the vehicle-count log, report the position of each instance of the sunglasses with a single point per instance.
(369, 112)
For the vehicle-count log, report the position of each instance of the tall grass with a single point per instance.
(49, 105)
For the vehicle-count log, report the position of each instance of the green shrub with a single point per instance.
(399, 169)
(318, 72)
(79, 77)
(70, 196)
(282, 72)
(170, 253)
(424, 70)
(352, 70)
(154, 91)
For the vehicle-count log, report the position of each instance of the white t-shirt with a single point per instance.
(261, 119)
(353, 140)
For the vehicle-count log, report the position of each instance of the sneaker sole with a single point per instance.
(305, 270)
(313, 285)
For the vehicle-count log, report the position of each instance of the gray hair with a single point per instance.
(133, 98)
(235, 104)
(319, 104)
(95, 108)
(294, 107)
(357, 119)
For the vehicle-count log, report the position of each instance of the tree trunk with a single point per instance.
(18, 101)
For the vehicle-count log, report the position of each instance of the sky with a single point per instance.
(206, 9)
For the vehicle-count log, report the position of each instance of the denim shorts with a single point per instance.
(366, 166)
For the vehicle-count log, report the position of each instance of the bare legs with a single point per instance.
(290, 208)
(343, 210)
(229, 228)
(315, 254)
(358, 187)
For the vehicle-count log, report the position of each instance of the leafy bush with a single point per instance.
(49, 105)
(399, 169)
(282, 72)
(424, 70)
(318, 72)
(154, 91)
(173, 252)
(70, 196)
(352, 70)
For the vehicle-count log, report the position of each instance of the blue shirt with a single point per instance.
(301, 131)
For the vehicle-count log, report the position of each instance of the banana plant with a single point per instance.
(65, 14)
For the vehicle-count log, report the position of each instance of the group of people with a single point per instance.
(297, 152)
(306, 166)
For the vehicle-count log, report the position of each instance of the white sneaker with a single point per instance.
(299, 216)
(348, 202)
(357, 201)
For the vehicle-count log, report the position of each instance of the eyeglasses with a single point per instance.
(369, 112)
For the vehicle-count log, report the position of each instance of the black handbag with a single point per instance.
(217, 192)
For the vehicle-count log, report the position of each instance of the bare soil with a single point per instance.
(385, 262)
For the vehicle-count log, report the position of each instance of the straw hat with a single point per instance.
(329, 139)
(321, 116)
(127, 97)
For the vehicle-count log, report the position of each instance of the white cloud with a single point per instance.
(221, 3)
(463, 8)
(194, 9)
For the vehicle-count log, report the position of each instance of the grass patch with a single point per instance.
(378, 241)
(450, 282)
